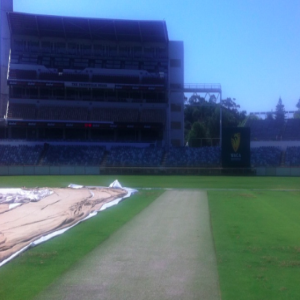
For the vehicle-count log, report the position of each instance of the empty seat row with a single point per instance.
(268, 129)
(31, 112)
(86, 155)
(84, 77)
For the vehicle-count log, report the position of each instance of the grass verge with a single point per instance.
(194, 182)
(31, 272)
(257, 240)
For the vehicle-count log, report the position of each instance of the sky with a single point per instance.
(250, 47)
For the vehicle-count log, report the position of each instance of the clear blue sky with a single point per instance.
(250, 47)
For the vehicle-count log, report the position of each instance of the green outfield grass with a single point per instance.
(194, 182)
(257, 240)
(256, 233)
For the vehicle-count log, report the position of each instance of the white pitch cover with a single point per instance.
(18, 196)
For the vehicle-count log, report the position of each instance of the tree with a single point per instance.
(212, 99)
(253, 117)
(196, 100)
(298, 104)
(280, 113)
(241, 116)
(269, 116)
(213, 123)
(230, 104)
(207, 115)
(185, 100)
(196, 135)
(297, 113)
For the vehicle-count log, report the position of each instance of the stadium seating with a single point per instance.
(194, 157)
(114, 115)
(20, 154)
(62, 113)
(84, 155)
(135, 157)
(292, 157)
(21, 111)
(116, 79)
(265, 130)
(73, 155)
(22, 74)
(265, 157)
(292, 130)
(80, 77)
(153, 80)
(152, 116)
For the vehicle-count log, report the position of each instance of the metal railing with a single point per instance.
(202, 86)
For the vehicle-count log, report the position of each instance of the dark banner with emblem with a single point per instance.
(236, 147)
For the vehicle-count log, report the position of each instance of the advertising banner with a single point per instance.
(236, 147)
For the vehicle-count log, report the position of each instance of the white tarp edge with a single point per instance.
(19, 196)
(47, 237)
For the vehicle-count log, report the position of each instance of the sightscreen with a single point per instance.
(236, 147)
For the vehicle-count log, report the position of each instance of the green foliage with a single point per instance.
(232, 118)
(297, 113)
(270, 116)
(257, 237)
(230, 104)
(280, 112)
(298, 105)
(196, 100)
(196, 135)
(208, 114)
(212, 99)
(253, 117)
(213, 122)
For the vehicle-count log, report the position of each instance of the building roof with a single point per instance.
(85, 28)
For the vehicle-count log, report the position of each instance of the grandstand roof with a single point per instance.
(85, 28)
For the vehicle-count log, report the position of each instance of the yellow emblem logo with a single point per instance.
(235, 141)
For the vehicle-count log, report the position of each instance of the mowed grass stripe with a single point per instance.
(257, 238)
(138, 181)
(165, 252)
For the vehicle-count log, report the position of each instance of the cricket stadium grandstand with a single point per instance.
(98, 96)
